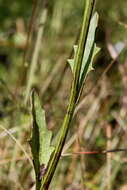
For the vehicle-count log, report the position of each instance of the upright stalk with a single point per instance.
(36, 52)
(73, 96)
(23, 71)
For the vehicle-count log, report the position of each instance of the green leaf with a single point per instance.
(41, 137)
(72, 61)
(87, 65)
(90, 51)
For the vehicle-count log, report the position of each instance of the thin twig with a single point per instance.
(35, 56)
(29, 34)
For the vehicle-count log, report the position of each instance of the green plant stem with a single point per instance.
(73, 97)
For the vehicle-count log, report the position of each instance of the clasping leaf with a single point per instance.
(89, 53)
(41, 137)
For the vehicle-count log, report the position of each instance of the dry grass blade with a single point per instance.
(18, 144)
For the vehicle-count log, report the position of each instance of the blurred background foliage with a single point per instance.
(101, 118)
